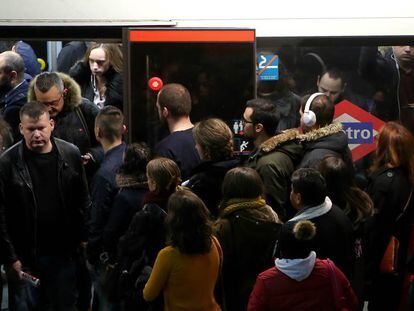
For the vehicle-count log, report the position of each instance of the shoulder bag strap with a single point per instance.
(219, 250)
(405, 206)
(220, 280)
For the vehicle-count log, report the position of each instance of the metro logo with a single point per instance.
(359, 133)
(361, 127)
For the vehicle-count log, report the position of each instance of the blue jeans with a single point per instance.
(57, 290)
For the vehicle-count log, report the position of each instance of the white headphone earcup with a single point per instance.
(309, 118)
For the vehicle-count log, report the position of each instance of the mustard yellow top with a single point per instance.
(188, 281)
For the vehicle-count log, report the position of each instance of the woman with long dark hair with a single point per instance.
(356, 204)
(390, 187)
(99, 74)
(187, 269)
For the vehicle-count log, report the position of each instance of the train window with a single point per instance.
(220, 77)
(369, 84)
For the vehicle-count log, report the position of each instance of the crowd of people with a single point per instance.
(188, 224)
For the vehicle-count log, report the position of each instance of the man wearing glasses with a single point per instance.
(74, 119)
(74, 116)
(275, 155)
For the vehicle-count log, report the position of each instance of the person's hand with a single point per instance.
(86, 158)
(17, 266)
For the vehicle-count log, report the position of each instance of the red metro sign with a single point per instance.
(361, 127)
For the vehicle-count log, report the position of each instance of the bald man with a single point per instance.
(13, 89)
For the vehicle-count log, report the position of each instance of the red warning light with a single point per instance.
(155, 84)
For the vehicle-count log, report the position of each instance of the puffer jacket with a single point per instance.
(114, 84)
(29, 57)
(247, 231)
(275, 160)
(76, 122)
(327, 140)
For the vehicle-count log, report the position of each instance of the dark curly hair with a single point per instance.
(188, 223)
(136, 158)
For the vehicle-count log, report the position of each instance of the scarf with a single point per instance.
(233, 205)
(313, 212)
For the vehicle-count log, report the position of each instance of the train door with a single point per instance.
(216, 65)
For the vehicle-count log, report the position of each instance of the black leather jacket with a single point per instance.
(18, 206)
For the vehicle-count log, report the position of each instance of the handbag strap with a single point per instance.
(220, 252)
(405, 207)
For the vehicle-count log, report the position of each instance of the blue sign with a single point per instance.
(268, 67)
(359, 132)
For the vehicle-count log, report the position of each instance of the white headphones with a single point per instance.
(309, 117)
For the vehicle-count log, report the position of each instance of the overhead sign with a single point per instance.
(268, 67)
(361, 127)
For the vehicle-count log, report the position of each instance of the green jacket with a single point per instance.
(275, 160)
(247, 230)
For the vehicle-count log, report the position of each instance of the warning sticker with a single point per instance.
(268, 67)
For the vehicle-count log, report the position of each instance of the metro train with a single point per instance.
(219, 49)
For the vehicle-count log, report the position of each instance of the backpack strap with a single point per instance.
(400, 215)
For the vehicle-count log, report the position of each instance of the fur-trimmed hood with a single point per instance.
(328, 140)
(277, 140)
(286, 142)
(73, 97)
(328, 130)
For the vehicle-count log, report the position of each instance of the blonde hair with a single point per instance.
(165, 174)
(215, 138)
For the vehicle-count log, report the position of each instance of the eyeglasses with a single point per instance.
(53, 103)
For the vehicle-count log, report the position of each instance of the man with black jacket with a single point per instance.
(334, 233)
(74, 115)
(109, 128)
(43, 200)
